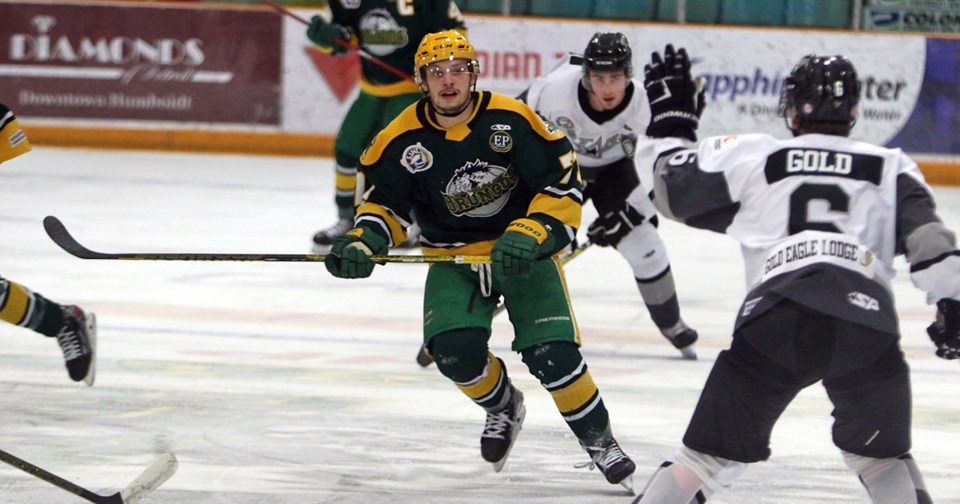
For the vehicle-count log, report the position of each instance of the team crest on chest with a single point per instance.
(380, 33)
(416, 158)
(479, 189)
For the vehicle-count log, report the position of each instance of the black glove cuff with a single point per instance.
(679, 129)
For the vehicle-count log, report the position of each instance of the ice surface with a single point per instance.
(277, 383)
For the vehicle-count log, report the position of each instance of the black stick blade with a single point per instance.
(59, 234)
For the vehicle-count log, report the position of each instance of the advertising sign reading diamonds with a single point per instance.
(140, 63)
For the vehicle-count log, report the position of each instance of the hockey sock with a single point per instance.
(660, 295)
(20, 306)
(890, 480)
(345, 183)
(692, 478)
(563, 372)
(673, 483)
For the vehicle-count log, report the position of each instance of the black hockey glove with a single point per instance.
(350, 253)
(676, 99)
(945, 332)
(331, 37)
(609, 229)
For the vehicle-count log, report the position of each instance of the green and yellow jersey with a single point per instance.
(391, 30)
(13, 141)
(465, 184)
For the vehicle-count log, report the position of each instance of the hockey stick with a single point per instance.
(363, 54)
(423, 356)
(59, 234)
(152, 477)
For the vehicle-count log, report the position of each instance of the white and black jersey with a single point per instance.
(819, 218)
(600, 138)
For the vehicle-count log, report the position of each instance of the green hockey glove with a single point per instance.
(350, 253)
(326, 35)
(515, 251)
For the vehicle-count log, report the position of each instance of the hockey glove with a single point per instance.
(515, 251)
(332, 38)
(609, 229)
(945, 332)
(350, 253)
(676, 99)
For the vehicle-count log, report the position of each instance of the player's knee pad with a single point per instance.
(461, 354)
(551, 362)
(890, 480)
(645, 251)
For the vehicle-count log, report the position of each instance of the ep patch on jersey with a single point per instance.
(416, 158)
(501, 141)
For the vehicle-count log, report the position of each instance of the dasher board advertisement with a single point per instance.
(140, 62)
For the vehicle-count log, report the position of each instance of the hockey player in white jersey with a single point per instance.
(604, 112)
(820, 218)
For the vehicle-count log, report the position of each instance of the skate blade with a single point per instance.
(628, 484)
(688, 352)
(92, 334)
(498, 465)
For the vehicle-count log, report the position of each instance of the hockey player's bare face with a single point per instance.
(609, 89)
(448, 86)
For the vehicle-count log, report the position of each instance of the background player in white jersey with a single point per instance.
(594, 100)
(820, 218)
(74, 329)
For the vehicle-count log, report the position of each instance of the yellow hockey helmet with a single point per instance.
(443, 46)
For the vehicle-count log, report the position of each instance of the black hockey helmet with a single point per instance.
(608, 52)
(820, 89)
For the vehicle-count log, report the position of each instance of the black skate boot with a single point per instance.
(682, 337)
(501, 430)
(78, 341)
(615, 465)
(323, 239)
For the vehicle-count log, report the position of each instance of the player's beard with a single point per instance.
(450, 108)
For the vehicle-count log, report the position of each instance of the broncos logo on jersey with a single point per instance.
(479, 189)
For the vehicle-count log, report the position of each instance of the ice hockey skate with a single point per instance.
(78, 341)
(323, 239)
(682, 338)
(501, 430)
(615, 465)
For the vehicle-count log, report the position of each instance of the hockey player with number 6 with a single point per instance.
(484, 175)
(820, 218)
(603, 111)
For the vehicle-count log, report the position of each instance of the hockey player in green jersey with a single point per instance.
(74, 329)
(389, 30)
(484, 174)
